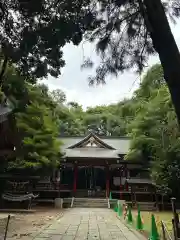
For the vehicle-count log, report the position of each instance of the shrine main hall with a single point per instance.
(94, 166)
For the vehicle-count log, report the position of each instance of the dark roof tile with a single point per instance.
(91, 153)
(122, 144)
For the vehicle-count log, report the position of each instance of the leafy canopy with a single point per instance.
(33, 33)
(37, 130)
(123, 37)
(39, 147)
(155, 133)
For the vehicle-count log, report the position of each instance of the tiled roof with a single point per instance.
(91, 153)
(110, 147)
(92, 139)
(122, 144)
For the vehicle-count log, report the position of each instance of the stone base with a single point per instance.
(122, 202)
(58, 202)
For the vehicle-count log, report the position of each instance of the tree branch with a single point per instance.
(3, 69)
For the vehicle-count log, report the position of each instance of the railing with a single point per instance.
(165, 233)
(43, 185)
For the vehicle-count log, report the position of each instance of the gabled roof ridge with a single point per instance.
(91, 134)
(102, 142)
(101, 137)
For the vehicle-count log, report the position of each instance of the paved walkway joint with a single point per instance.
(87, 224)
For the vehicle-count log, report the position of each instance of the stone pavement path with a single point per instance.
(87, 224)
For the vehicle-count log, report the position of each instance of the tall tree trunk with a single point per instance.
(165, 45)
(3, 69)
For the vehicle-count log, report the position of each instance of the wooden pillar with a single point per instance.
(58, 181)
(107, 181)
(156, 199)
(126, 175)
(120, 187)
(60, 174)
(75, 179)
(132, 195)
(135, 197)
(54, 175)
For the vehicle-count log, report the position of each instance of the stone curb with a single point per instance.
(135, 232)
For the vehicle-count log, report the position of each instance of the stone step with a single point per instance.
(90, 202)
(83, 203)
(85, 200)
(84, 206)
(90, 205)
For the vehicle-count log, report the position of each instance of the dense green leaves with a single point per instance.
(39, 130)
(148, 118)
(125, 32)
(155, 132)
(124, 36)
(34, 32)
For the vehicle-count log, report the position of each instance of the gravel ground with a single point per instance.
(24, 226)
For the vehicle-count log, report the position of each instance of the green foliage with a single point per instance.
(124, 39)
(33, 33)
(155, 132)
(47, 26)
(39, 145)
(148, 118)
(38, 128)
(58, 96)
(153, 79)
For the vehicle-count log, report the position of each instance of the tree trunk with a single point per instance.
(165, 45)
(3, 69)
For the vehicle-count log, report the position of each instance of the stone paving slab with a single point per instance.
(87, 224)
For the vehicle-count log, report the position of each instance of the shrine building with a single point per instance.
(90, 167)
(94, 166)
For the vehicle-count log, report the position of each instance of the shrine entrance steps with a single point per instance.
(90, 203)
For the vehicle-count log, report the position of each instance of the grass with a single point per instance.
(159, 216)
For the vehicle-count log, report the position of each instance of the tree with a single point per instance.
(38, 130)
(131, 30)
(36, 123)
(154, 132)
(33, 34)
(148, 117)
(127, 32)
(74, 105)
(58, 96)
(153, 79)
(14, 87)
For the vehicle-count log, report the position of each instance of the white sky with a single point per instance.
(73, 80)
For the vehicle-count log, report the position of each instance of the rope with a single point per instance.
(18, 184)
(15, 199)
(18, 198)
(18, 195)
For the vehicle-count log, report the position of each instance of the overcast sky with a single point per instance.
(73, 80)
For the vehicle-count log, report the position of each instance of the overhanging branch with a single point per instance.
(3, 69)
